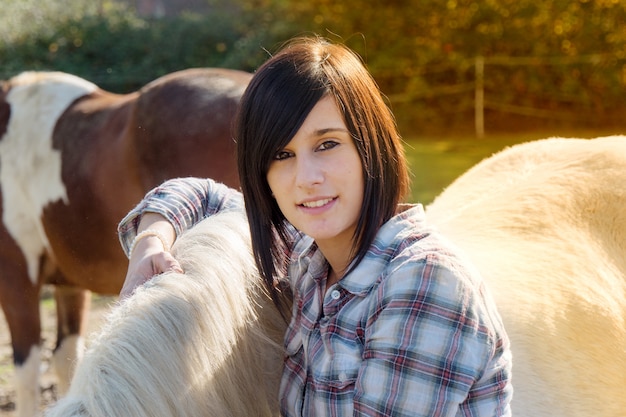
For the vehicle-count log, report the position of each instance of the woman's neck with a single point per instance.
(337, 266)
(338, 254)
(332, 278)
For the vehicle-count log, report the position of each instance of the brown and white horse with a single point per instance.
(73, 160)
(545, 223)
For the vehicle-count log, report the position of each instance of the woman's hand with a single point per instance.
(150, 254)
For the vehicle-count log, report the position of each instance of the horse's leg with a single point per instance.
(72, 315)
(20, 302)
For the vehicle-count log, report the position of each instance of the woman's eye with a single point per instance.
(280, 155)
(329, 144)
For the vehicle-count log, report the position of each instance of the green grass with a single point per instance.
(437, 162)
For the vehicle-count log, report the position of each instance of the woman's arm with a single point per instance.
(149, 230)
(181, 201)
(149, 254)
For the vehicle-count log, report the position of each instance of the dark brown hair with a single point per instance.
(279, 98)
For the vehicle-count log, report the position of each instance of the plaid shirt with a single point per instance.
(184, 202)
(411, 331)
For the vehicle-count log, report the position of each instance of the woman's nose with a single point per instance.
(308, 172)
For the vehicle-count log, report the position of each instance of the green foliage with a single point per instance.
(416, 47)
(562, 56)
(121, 51)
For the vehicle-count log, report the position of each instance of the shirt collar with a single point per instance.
(388, 241)
(391, 238)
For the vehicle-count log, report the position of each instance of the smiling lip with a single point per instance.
(316, 203)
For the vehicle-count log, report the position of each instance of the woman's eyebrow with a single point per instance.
(321, 132)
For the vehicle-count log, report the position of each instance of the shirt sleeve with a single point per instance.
(182, 201)
(432, 347)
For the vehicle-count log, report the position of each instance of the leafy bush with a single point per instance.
(120, 51)
(549, 59)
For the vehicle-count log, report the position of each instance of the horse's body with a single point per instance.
(545, 223)
(74, 159)
(203, 343)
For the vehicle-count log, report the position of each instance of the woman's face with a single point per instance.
(317, 178)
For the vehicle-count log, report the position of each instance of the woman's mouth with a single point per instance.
(317, 203)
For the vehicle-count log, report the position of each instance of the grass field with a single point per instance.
(436, 162)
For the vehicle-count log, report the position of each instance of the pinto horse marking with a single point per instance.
(30, 168)
(74, 159)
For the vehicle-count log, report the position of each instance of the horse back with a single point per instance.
(545, 224)
(182, 125)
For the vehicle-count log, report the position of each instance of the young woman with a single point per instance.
(387, 320)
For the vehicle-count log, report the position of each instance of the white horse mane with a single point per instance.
(192, 344)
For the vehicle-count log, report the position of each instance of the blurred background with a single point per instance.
(463, 77)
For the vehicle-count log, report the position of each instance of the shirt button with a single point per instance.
(335, 294)
(342, 376)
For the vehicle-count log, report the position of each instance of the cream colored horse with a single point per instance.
(545, 223)
(203, 343)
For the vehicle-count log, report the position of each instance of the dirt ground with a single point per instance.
(100, 305)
